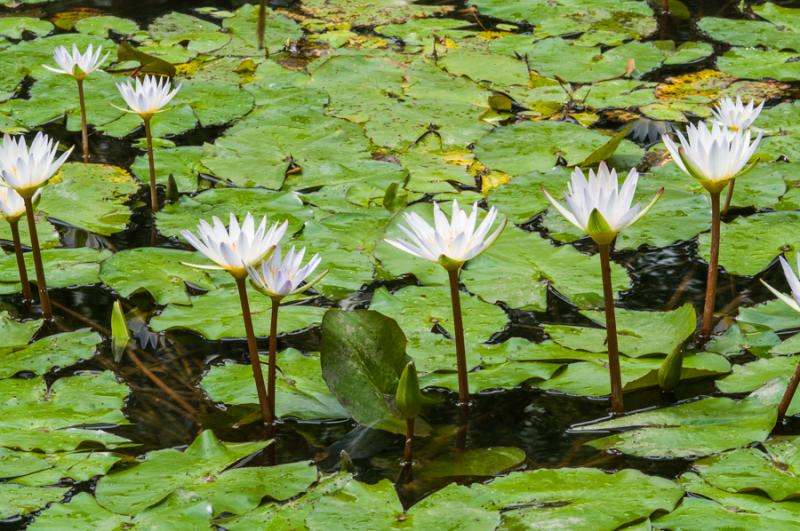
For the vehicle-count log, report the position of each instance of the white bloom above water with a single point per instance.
(12, 206)
(147, 97)
(792, 301)
(236, 247)
(450, 243)
(77, 64)
(712, 156)
(734, 114)
(598, 206)
(280, 276)
(27, 168)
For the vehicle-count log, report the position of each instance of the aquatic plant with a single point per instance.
(598, 206)
(234, 249)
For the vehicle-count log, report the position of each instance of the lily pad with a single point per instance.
(64, 267)
(21, 499)
(750, 376)
(182, 162)
(16, 334)
(301, 391)
(38, 470)
(59, 350)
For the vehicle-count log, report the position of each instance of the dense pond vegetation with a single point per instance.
(354, 114)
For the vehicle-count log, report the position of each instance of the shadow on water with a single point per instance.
(530, 419)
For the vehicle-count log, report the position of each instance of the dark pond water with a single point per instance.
(532, 420)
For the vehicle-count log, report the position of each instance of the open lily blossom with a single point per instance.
(77, 64)
(792, 300)
(280, 276)
(735, 115)
(598, 205)
(712, 156)
(450, 243)
(12, 206)
(27, 168)
(149, 96)
(238, 246)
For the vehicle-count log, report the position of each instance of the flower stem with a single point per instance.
(84, 127)
(711, 281)
(617, 405)
(458, 324)
(23, 272)
(273, 355)
(41, 283)
(789, 394)
(153, 193)
(262, 15)
(408, 451)
(728, 197)
(252, 349)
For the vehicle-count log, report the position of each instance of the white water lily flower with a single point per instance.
(792, 301)
(712, 156)
(598, 206)
(236, 247)
(735, 115)
(280, 276)
(450, 243)
(25, 168)
(12, 206)
(147, 97)
(77, 64)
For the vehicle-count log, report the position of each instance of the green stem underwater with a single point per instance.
(153, 192)
(252, 349)
(728, 198)
(41, 283)
(711, 280)
(789, 394)
(461, 353)
(23, 272)
(617, 405)
(273, 362)
(84, 126)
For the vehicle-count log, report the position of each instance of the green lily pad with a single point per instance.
(218, 315)
(749, 63)
(774, 314)
(64, 268)
(750, 376)
(34, 416)
(750, 33)
(186, 213)
(503, 376)
(241, 24)
(105, 25)
(21, 499)
(160, 272)
(90, 196)
(640, 333)
(38, 470)
(16, 334)
(698, 428)
(741, 253)
(182, 162)
(369, 12)
(14, 27)
(60, 350)
(81, 510)
(195, 34)
(301, 391)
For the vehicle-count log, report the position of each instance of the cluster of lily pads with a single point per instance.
(359, 155)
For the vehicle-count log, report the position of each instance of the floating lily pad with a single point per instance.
(692, 429)
(21, 499)
(369, 12)
(105, 25)
(749, 63)
(182, 162)
(14, 27)
(195, 34)
(64, 267)
(60, 350)
(37, 470)
(160, 272)
(241, 24)
(503, 376)
(301, 391)
(750, 376)
(16, 334)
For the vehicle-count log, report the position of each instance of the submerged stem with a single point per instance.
(458, 325)
(728, 197)
(262, 15)
(84, 127)
(273, 355)
(41, 283)
(711, 280)
(617, 405)
(252, 349)
(152, 162)
(789, 394)
(23, 272)
(408, 451)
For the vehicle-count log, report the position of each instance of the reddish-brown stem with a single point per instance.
(262, 16)
(153, 193)
(252, 349)
(408, 451)
(23, 272)
(160, 384)
(665, 6)
(458, 325)
(711, 280)
(84, 127)
(789, 394)
(728, 198)
(273, 362)
(617, 405)
(41, 283)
